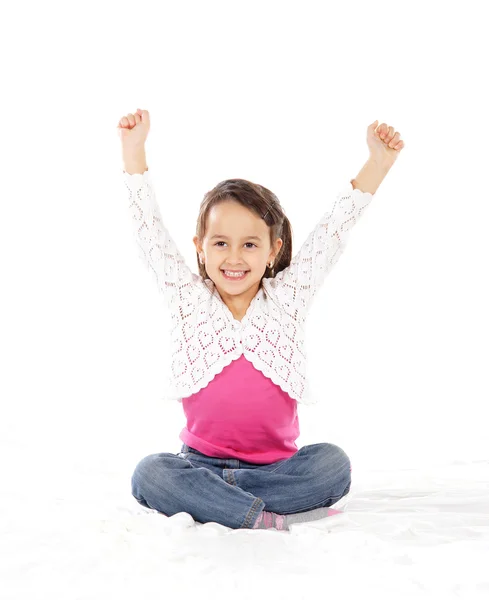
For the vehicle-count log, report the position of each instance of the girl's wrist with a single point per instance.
(381, 162)
(134, 160)
(371, 175)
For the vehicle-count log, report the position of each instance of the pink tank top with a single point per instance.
(242, 414)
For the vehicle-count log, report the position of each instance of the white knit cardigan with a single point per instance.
(205, 337)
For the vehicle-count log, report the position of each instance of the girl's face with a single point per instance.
(236, 240)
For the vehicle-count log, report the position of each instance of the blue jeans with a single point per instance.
(233, 492)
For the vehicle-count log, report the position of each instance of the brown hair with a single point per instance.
(263, 203)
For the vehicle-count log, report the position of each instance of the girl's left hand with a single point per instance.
(384, 144)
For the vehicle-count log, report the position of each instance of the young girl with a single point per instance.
(238, 358)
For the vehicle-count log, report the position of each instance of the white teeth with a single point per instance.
(230, 274)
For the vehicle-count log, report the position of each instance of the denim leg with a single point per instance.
(317, 475)
(170, 484)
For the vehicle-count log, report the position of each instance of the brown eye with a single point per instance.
(246, 242)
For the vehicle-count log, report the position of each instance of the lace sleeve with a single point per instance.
(299, 282)
(157, 249)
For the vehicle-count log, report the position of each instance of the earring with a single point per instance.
(271, 264)
(201, 261)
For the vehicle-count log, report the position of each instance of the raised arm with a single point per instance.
(296, 286)
(157, 249)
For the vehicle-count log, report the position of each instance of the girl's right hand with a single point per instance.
(133, 130)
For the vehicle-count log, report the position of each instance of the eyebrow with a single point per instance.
(248, 237)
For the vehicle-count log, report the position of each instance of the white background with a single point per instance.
(280, 93)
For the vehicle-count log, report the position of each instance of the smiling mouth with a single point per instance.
(234, 277)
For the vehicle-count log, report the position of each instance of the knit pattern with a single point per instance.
(204, 335)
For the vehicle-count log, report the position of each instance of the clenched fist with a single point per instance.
(384, 143)
(133, 130)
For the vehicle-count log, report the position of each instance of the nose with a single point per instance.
(235, 255)
(235, 260)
